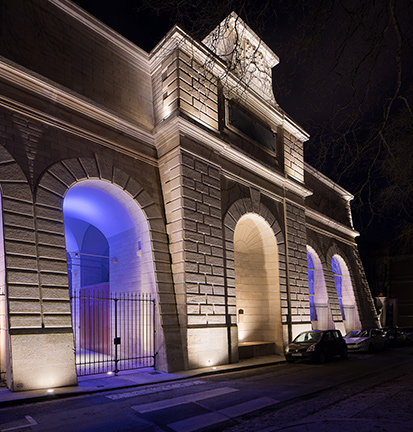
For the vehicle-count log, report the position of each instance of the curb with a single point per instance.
(79, 392)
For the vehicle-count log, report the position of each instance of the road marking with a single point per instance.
(180, 400)
(31, 421)
(197, 422)
(247, 407)
(213, 418)
(154, 390)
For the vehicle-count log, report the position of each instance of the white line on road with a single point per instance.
(31, 421)
(180, 400)
(247, 407)
(154, 390)
(198, 422)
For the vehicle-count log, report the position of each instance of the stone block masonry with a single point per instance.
(180, 83)
(297, 260)
(293, 157)
(193, 209)
(80, 104)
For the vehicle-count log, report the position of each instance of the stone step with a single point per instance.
(255, 349)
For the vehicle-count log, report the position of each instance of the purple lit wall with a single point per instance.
(96, 207)
(102, 238)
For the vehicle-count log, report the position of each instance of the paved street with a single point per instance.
(364, 393)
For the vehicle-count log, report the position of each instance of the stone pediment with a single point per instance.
(246, 55)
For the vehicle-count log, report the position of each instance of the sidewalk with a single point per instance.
(127, 379)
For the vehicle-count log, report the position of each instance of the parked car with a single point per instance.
(395, 336)
(316, 345)
(366, 340)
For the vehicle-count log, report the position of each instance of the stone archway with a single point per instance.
(255, 240)
(322, 318)
(55, 183)
(257, 282)
(345, 294)
(111, 278)
(346, 300)
(108, 218)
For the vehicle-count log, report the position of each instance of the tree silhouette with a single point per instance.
(345, 75)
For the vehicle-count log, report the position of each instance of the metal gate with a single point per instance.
(112, 331)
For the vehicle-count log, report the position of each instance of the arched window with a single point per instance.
(311, 286)
(338, 281)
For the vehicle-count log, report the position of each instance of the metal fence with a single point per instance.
(112, 331)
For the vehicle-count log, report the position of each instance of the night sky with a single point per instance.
(345, 75)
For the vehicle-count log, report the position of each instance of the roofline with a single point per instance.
(177, 38)
(328, 182)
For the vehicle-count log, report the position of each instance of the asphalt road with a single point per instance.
(363, 393)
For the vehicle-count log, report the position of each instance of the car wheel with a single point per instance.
(344, 354)
(371, 349)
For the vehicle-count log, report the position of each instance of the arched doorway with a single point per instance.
(257, 285)
(320, 312)
(345, 294)
(111, 278)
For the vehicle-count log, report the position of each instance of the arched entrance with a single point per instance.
(257, 286)
(111, 278)
(345, 294)
(320, 312)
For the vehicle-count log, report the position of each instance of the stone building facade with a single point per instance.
(200, 192)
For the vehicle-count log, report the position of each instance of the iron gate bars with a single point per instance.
(112, 331)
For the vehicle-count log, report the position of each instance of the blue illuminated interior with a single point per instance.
(338, 281)
(97, 208)
(92, 216)
(311, 287)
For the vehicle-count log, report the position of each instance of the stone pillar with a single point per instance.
(193, 210)
(297, 268)
(40, 339)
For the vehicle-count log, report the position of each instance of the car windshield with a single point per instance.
(363, 333)
(356, 334)
(309, 336)
(351, 334)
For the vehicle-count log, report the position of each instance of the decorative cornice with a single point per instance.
(330, 223)
(29, 82)
(181, 126)
(233, 40)
(176, 38)
(243, 181)
(234, 22)
(328, 182)
(330, 235)
(75, 130)
(104, 31)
